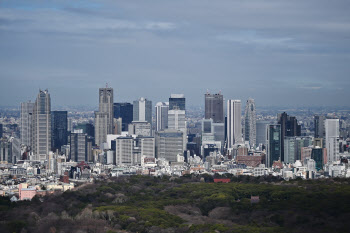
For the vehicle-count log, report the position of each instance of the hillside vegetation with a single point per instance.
(150, 204)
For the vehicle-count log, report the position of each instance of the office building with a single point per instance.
(104, 117)
(41, 129)
(250, 122)
(129, 150)
(142, 110)
(214, 107)
(177, 119)
(59, 127)
(289, 128)
(169, 143)
(1, 130)
(234, 125)
(124, 111)
(78, 146)
(317, 154)
(140, 128)
(162, 109)
(332, 139)
(319, 126)
(261, 135)
(26, 123)
(177, 101)
(273, 144)
(293, 148)
(213, 133)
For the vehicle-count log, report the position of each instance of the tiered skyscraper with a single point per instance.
(214, 107)
(234, 125)
(41, 131)
(162, 109)
(104, 117)
(27, 123)
(250, 122)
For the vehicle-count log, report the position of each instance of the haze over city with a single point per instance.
(285, 53)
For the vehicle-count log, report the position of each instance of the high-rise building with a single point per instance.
(274, 149)
(169, 143)
(214, 107)
(59, 127)
(176, 119)
(250, 122)
(177, 101)
(317, 155)
(26, 123)
(87, 128)
(142, 110)
(124, 111)
(319, 126)
(213, 133)
(234, 125)
(104, 117)
(289, 128)
(1, 130)
(78, 147)
(162, 109)
(261, 136)
(332, 139)
(41, 130)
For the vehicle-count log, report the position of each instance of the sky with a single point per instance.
(279, 52)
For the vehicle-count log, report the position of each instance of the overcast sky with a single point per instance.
(279, 52)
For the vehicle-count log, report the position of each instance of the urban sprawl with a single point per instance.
(44, 151)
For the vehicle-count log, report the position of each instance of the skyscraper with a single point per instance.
(142, 110)
(289, 128)
(177, 101)
(78, 147)
(162, 109)
(250, 122)
(169, 144)
(214, 107)
(274, 149)
(332, 139)
(234, 125)
(176, 119)
(319, 126)
(59, 127)
(26, 123)
(261, 136)
(124, 111)
(104, 117)
(1, 130)
(41, 130)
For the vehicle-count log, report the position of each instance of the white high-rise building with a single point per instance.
(234, 125)
(104, 117)
(41, 130)
(332, 139)
(162, 109)
(177, 119)
(250, 122)
(26, 123)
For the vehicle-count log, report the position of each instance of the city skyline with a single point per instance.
(298, 58)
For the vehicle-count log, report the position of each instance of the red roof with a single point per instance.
(222, 180)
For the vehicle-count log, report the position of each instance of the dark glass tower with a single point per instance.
(1, 130)
(289, 128)
(124, 111)
(274, 149)
(177, 101)
(59, 127)
(214, 107)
